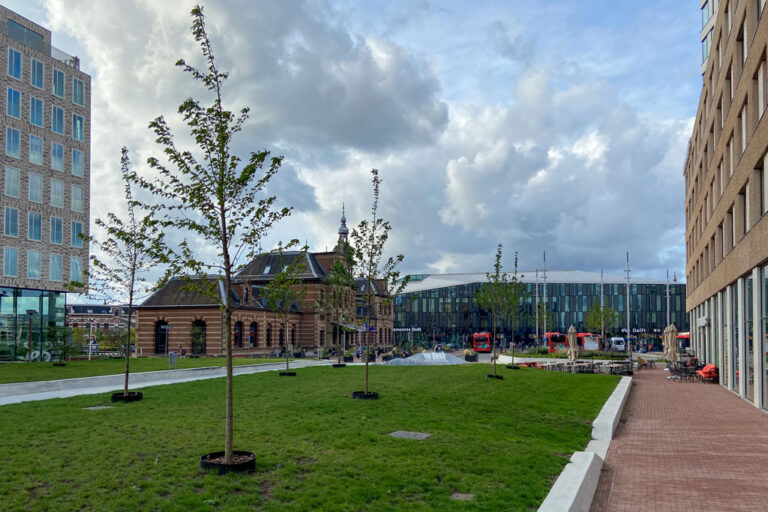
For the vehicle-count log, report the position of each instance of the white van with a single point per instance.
(618, 344)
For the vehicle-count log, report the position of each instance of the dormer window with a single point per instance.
(266, 269)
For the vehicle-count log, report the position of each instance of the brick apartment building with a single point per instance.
(45, 186)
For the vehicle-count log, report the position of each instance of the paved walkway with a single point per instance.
(685, 446)
(47, 389)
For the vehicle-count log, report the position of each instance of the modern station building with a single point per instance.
(726, 199)
(441, 306)
(45, 185)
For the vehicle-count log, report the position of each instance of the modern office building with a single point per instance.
(726, 199)
(441, 306)
(45, 186)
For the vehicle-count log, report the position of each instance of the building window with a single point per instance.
(58, 83)
(11, 182)
(77, 230)
(764, 194)
(743, 119)
(730, 156)
(13, 103)
(744, 39)
(57, 156)
(54, 267)
(37, 71)
(11, 221)
(56, 230)
(77, 163)
(57, 193)
(253, 335)
(57, 119)
(36, 111)
(77, 198)
(34, 226)
(10, 261)
(238, 335)
(77, 127)
(35, 150)
(12, 142)
(78, 93)
(14, 64)
(761, 89)
(76, 270)
(33, 265)
(747, 220)
(35, 188)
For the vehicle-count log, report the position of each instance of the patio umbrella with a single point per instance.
(573, 347)
(672, 352)
(665, 341)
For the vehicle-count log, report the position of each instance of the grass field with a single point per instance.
(316, 448)
(30, 372)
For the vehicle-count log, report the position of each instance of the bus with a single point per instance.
(481, 341)
(588, 341)
(555, 341)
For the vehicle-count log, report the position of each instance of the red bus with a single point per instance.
(481, 341)
(592, 341)
(555, 341)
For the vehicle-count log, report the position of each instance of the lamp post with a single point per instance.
(30, 313)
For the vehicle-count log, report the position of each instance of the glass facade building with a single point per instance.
(30, 319)
(443, 307)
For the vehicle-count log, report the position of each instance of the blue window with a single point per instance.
(58, 83)
(57, 119)
(37, 72)
(77, 198)
(10, 261)
(78, 92)
(77, 127)
(77, 163)
(35, 226)
(11, 221)
(33, 265)
(54, 267)
(35, 188)
(12, 142)
(35, 150)
(57, 156)
(77, 230)
(76, 269)
(36, 111)
(13, 103)
(14, 63)
(11, 182)
(56, 230)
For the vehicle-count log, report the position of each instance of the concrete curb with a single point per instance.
(575, 488)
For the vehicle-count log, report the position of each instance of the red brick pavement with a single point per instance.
(685, 446)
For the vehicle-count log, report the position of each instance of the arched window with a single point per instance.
(253, 335)
(238, 334)
(381, 335)
(161, 337)
(268, 335)
(293, 336)
(197, 337)
(280, 337)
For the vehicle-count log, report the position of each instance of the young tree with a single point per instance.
(512, 292)
(334, 303)
(600, 318)
(369, 239)
(214, 199)
(129, 249)
(492, 297)
(286, 290)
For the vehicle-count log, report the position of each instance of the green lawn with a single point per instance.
(29, 372)
(317, 449)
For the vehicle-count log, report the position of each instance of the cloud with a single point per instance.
(555, 158)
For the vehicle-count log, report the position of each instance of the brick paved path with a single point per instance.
(685, 446)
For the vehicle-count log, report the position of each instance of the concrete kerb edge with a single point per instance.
(575, 488)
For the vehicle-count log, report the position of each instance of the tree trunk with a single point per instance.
(285, 341)
(128, 344)
(227, 333)
(493, 343)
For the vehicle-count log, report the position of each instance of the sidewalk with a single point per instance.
(685, 446)
(44, 390)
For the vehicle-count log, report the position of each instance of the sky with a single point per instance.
(543, 125)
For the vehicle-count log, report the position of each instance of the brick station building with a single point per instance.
(176, 316)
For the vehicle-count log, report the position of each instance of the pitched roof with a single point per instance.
(265, 266)
(362, 284)
(176, 293)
